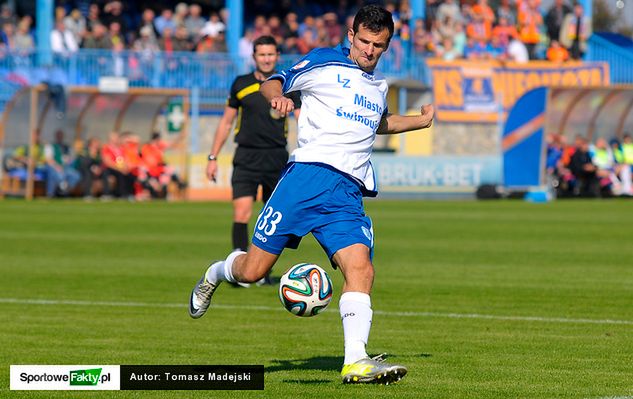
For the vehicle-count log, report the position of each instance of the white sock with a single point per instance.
(356, 313)
(223, 271)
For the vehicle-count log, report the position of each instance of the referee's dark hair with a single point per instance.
(374, 18)
(263, 40)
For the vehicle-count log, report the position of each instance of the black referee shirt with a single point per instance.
(258, 125)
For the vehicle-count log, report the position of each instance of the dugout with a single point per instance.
(84, 112)
(587, 111)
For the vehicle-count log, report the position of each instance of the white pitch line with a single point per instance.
(274, 309)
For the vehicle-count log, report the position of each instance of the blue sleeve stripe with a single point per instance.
(332, 63)
(278, 76)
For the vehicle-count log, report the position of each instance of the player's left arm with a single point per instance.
(394, 124)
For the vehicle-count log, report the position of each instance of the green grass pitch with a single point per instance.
(502, 299)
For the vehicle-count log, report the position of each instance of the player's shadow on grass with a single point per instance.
(322, 363)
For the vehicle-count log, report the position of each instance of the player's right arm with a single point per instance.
(272, 92)
(221, 134)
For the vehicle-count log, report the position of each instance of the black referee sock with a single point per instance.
(240, 236)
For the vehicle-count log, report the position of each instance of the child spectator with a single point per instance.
(556, 52)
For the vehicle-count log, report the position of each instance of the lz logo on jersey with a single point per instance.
(344, 81)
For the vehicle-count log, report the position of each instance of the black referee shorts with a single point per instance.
(257, 167)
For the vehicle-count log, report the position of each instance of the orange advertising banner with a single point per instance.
(484, 91)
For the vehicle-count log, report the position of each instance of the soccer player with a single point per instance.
(343, 108)
(260, 135)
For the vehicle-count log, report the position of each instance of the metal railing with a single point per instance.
(619, 59)
(211, 73)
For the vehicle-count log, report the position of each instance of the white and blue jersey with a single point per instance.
(341, 110)
(321, 191)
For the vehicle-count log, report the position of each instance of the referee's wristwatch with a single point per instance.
(212, 157)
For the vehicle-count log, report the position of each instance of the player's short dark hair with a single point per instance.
(374, 18)
(265, 40)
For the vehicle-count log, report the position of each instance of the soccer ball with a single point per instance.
(305, 289)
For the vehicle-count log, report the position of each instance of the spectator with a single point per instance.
(504, 31)
(333, 28)
(194, 22)
(62, 41)
(508, 12)
(94, 17)
(530, 21)
(17, 165)
(113, 12)
(322, 38)
(181, 40)
(205, 45)
(446, 50)
(449, 9)
(219, 43)
(422, 40)
(607, 169)
(213, 26)
(182, 11)
(115, 34)
(556, 52)
(483, 10)
(404, 12)
(291, 44)
(260, 28)
(475, 49)
(99, 39)
(145, 44)
(308, 24)
(88, 163)
(76, 24)
(166, 42)
(517, 51)
(118, 60)
(291, 24)
(623, 170)
(61, 177)
(166, 19)
(245, 46)
(147, 20)
(446, 30)
(584, 170)
(7, 16)
(479, 29)
(554, 18)
(23, 39)
(575, 32)
(159, 173)
(276, 30)
(137, 173)
(7, 37)
(114, 166)
(496, 49)
(59, 13)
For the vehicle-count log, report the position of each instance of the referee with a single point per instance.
(260, 135)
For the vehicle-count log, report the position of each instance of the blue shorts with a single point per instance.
(313, 198)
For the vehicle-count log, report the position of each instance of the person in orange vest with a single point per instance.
(159, 174)
(114, 165)
(556, 52)
(530, 23)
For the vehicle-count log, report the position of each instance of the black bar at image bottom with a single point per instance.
(186, 377)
